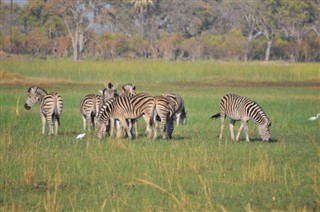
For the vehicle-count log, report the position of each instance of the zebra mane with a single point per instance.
(37, 89)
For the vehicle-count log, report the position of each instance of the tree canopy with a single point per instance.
(179, 29)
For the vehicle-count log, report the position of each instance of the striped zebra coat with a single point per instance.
(123, 108)
(177, 103)
(165, 112)
(89, 108)
(129, 90)
(240, 108)
(51, 106)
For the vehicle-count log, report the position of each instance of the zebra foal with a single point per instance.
(123, 108)
(240, 108)
(50, 107)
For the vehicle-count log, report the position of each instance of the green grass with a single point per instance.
(194, 171)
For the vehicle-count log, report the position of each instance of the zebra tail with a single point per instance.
(217, 115)
(153, 116)
(56, 113)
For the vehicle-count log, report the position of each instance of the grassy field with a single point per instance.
(195, 171)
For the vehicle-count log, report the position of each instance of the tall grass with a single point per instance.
(195, 171)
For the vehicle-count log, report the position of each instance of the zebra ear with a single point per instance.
(109, 85)
(32, 88)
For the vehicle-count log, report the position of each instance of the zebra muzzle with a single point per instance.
(27, 107)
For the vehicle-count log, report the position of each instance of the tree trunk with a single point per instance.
(269, 44)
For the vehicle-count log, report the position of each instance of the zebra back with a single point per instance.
(52, 105)
(122, 108)
(90, 104)
(240, 107)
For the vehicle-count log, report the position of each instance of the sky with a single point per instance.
(20, 2)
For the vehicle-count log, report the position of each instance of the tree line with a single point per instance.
(168, 29)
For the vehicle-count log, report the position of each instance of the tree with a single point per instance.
(78, 17)
(143, 9)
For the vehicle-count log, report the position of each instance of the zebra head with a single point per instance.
(264, 131)
(101, 128)
(128, 90)
(110, 91)
(32, 98)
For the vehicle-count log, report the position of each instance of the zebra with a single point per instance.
(110, 91)
(129, 89)
(165, 112)
(242, 108)
(89, 108)
(122, 108)
(50, 107)
(178, 104)
(91, 103)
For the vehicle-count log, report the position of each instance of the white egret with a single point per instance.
(81, 136)
(314, 117)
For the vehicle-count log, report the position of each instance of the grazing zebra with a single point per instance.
(129, 89)
(165, 112)
(122, 108)
(50, 107)
(242, 108)
(178, 104)
(89, 108)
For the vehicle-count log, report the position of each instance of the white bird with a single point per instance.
(314, 117)
(81, 136)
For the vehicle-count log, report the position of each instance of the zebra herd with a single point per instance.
(110, 111)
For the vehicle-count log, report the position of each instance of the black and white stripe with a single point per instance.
(129, 89)
(109, 92)
(123, 108)
(242, 108)
(89, 108)
(50, 107)
(165, 112)
(180, 113)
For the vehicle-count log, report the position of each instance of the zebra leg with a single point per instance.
(134, 123)
(178, 118)
(163, 127)
(50, 123)
(170, 127)
(112, 123)
(118, 127)
(231, 126)
(43, 121)
(239, 131)
(150, 129)
(84, 122)
(124, 124)
(56, 123)
(246, 130)
(222, 126)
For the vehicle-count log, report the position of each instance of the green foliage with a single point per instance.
(194, 171)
